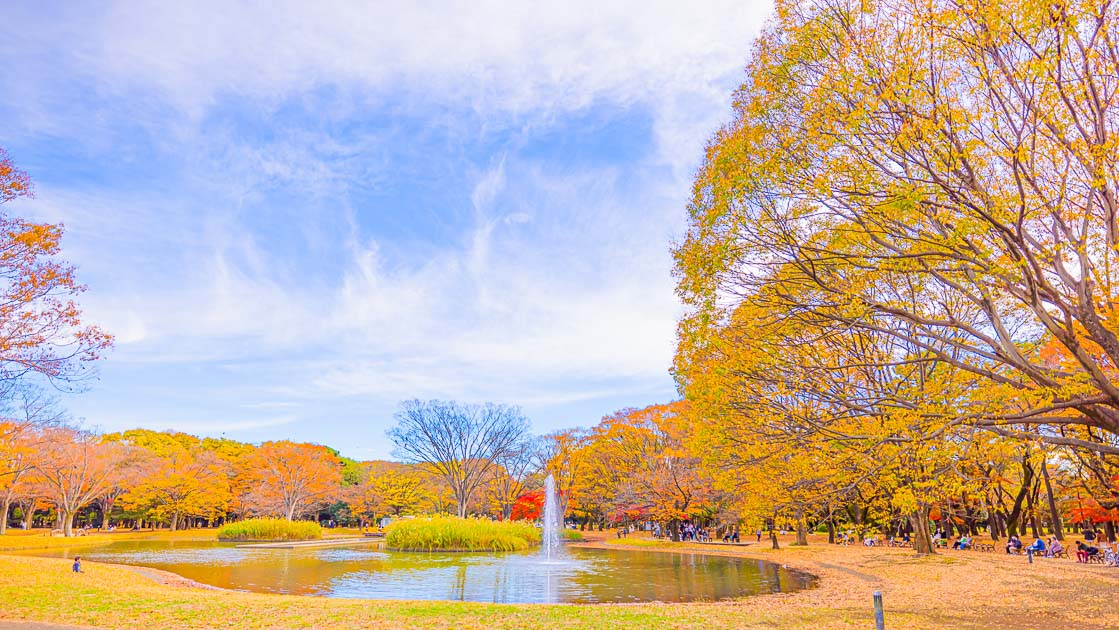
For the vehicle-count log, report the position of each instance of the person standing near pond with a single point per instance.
(78, 564)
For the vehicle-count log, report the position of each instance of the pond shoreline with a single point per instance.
(172, 579)
(586, 578)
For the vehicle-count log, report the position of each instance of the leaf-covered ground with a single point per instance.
(957, 589)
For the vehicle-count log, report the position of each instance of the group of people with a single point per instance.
(1039, 548)
(688, 531)
(1086, 550)
(694, 533)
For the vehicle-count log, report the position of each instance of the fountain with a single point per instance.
(550, 543)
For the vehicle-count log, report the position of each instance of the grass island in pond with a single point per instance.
(449, 533)
(268, 529)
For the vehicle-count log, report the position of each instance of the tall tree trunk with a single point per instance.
(802, 529)
(1054, 515)
(67, 522)
(5, 505)
(831, 530)
(773, 533)
(29, 515)
(922, 539)
(1016, 512)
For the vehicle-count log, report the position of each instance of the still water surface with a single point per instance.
(366, 571)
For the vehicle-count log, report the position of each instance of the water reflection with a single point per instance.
(583, 576)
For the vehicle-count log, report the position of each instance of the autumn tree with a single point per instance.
(960, 150)
(563, 455)
(41, 328)
(920, 198)
(170, 477)
(393, 489)
(291, 479)
(29, 411)
(647, 453)
(459, 442)
(41, 331)
(511, 474)
(74, 467)
(15, 485)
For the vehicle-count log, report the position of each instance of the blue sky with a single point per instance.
(295, 215)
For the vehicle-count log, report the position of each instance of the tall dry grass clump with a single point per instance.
(450, 533)
(270, 529)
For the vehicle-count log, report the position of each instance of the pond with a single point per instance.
(367, 571)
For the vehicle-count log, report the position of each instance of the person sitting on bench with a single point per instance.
(1036, 548)
(1084, 552)
(1014, 545)
(1055, 548)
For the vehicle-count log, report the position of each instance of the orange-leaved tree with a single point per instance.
(291, 479)
(171, 477)
(41, 328)
(563, 455)
(74, 468)
(648, 452)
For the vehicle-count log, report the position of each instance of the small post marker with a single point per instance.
(879, 615)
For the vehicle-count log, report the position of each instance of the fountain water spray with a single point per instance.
(551, 542)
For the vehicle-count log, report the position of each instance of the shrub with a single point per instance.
(571, 534)
(449, 533)
(270, 529)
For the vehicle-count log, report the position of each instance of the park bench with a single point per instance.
(1096, 559)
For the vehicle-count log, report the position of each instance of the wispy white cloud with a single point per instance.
(259, 249)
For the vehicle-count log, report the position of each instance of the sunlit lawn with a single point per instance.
(41, 538)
